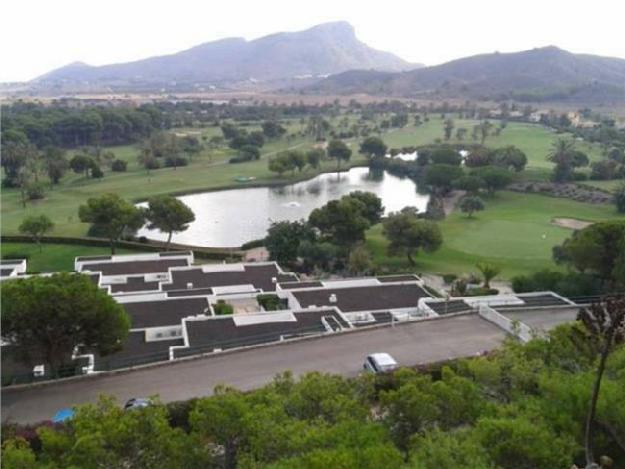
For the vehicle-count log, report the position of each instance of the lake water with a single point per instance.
(230, 218)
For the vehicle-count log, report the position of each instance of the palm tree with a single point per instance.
(488, 271)
(562, 152)
(605, 323)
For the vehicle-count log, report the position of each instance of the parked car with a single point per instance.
(137, 403)
(379, 363)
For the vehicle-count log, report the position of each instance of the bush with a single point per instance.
(222, 308)
(142, 239)
(119, 166)
(449, 278)
(97, 173)
(271, 302)
(175, 161)
(481, 291)
(35, 191)
(256, 243)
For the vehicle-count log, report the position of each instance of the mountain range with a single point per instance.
(547, 73)
(272, 60)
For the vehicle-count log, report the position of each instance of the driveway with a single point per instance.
(411, 344)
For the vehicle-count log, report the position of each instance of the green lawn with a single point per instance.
(53, 257)
(534, 140)
(514, 232)
(609, 186)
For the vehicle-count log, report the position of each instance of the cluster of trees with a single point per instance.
(333, 236)
(63, 126)
(595, 257)
(292, 160)
(112, 217)
(328, 239)
(552, 403)
(173, 151)
(479, 131)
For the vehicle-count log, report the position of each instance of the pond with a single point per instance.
(232, 217)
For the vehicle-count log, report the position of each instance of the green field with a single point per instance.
(609, 186)
(534, 140)
(53, 257)
(514, 232)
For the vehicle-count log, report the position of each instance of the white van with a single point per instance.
(379, 363)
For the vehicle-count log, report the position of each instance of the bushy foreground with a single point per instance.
(522, 407)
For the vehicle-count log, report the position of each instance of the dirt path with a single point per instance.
(449, 202)
(571, 223)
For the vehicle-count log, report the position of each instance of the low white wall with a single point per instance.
(516, 328)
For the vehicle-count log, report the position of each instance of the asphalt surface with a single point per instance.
(410, 344)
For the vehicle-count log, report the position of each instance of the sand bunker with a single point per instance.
(571, 223)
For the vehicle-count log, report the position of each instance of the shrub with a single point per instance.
(271, 302)
(449, 278)
(222, 308)
(97, 173)
(119, 166)
(35, 191)
(175, 161)
(16, 255)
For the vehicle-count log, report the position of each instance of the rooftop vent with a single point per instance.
(332, 298)
(274, 280)
(39, 371)
(189, 285)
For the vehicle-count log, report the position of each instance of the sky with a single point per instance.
(37, 36)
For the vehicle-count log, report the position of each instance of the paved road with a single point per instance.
(410, 344)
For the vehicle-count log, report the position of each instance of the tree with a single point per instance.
(470, 183)
(36, 226)
(169, 215)
(510, 157)
(599, 248)
(273, 129)
(440, 177)
(342, 221)
(471, 204)
(82, 164)
(373, 147)
(56, 163)
(338, 150)
(619, 198)
(484, 129)
(296, 159)
(359, 260)
(461, 133)
(284, 238)
(480, 156)
(74, 310)
(407, 234)
(15, 156)
(314, 157)
(488, 271)
(494, 178)
(279, 164)
(249, 152)
(372, 205)
(448, 126)
(112, 216)
(605, 323)
(119, 166)
(446, 155)
(566, 158)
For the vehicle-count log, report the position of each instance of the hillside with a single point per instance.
(545, 73)
(328, 48)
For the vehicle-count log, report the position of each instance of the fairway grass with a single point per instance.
(514, 232)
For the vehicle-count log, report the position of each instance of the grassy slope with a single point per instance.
(54, 257)
(508, 233)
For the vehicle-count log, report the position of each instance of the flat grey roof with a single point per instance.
(369, 298)
(169, 312)
(134, 267)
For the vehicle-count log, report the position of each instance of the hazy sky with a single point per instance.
(39, 35)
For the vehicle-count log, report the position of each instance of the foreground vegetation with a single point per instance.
(523, 406)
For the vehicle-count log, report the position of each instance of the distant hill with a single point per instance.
(546, 73)
(325, 49)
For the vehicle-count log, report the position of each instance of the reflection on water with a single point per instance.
(233, 217)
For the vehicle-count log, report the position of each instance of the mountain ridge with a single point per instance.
(323, 49)
(546, 71)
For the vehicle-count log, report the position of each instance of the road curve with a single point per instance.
(411, 344)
